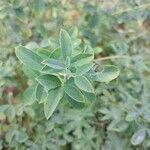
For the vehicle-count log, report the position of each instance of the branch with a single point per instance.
(112, 57)
(132, 9)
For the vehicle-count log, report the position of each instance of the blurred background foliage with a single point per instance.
(119, 32)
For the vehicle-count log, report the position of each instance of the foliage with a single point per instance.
(58, 76)
(101, 36)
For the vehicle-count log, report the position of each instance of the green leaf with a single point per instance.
(3, 108)
(83, 69)
(75, 104)
(53, 63)
(90, 97)
(54, 96)
(43, 53)
(17, 3)
(67, 63)
(49, 81)
(138, 137)
(84, 84)
(38, 6)
(55, 53)
(81, 60)
(29, 95)
(29, 58)
(108, 74)
(48, 70)
(29, 111)
(89, 50)
(74, 93)
(40, 94)
(30, 73)
(65, 44)
(22, 136)
(118, 126)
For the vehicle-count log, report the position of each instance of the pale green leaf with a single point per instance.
(3, 108)
(48, 70)
(90, 97)
(84, 84)
(53, 63)
(138, 137)
(43, 53)
(65, 44)
(49, 81)
(83, 69)
(75, 104)
(81, 59)
(108, 73)
(40, 94)
(55, 53)
(29, 58)
(74, 93)
(54, 96)
(29, 95)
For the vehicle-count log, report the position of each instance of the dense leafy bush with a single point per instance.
(99, 37)
(63, 74)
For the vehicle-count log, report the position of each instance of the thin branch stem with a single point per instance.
(112, 57)
(132, 9)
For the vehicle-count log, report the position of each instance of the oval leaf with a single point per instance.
(81, 60)
(108, 74)
(75, 104)
(90, 97)
(54, 96)
(43, 53)
(48, 70)
(29, 95)
(3, 108)
(84, 84)
(83, 69)
(40, 94)
(49, 81)
(53, 63)
(29, 58)
(65, 44)
(138, 137)
(74, 93)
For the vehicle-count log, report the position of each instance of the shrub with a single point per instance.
(64, 73)
(107, 35)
